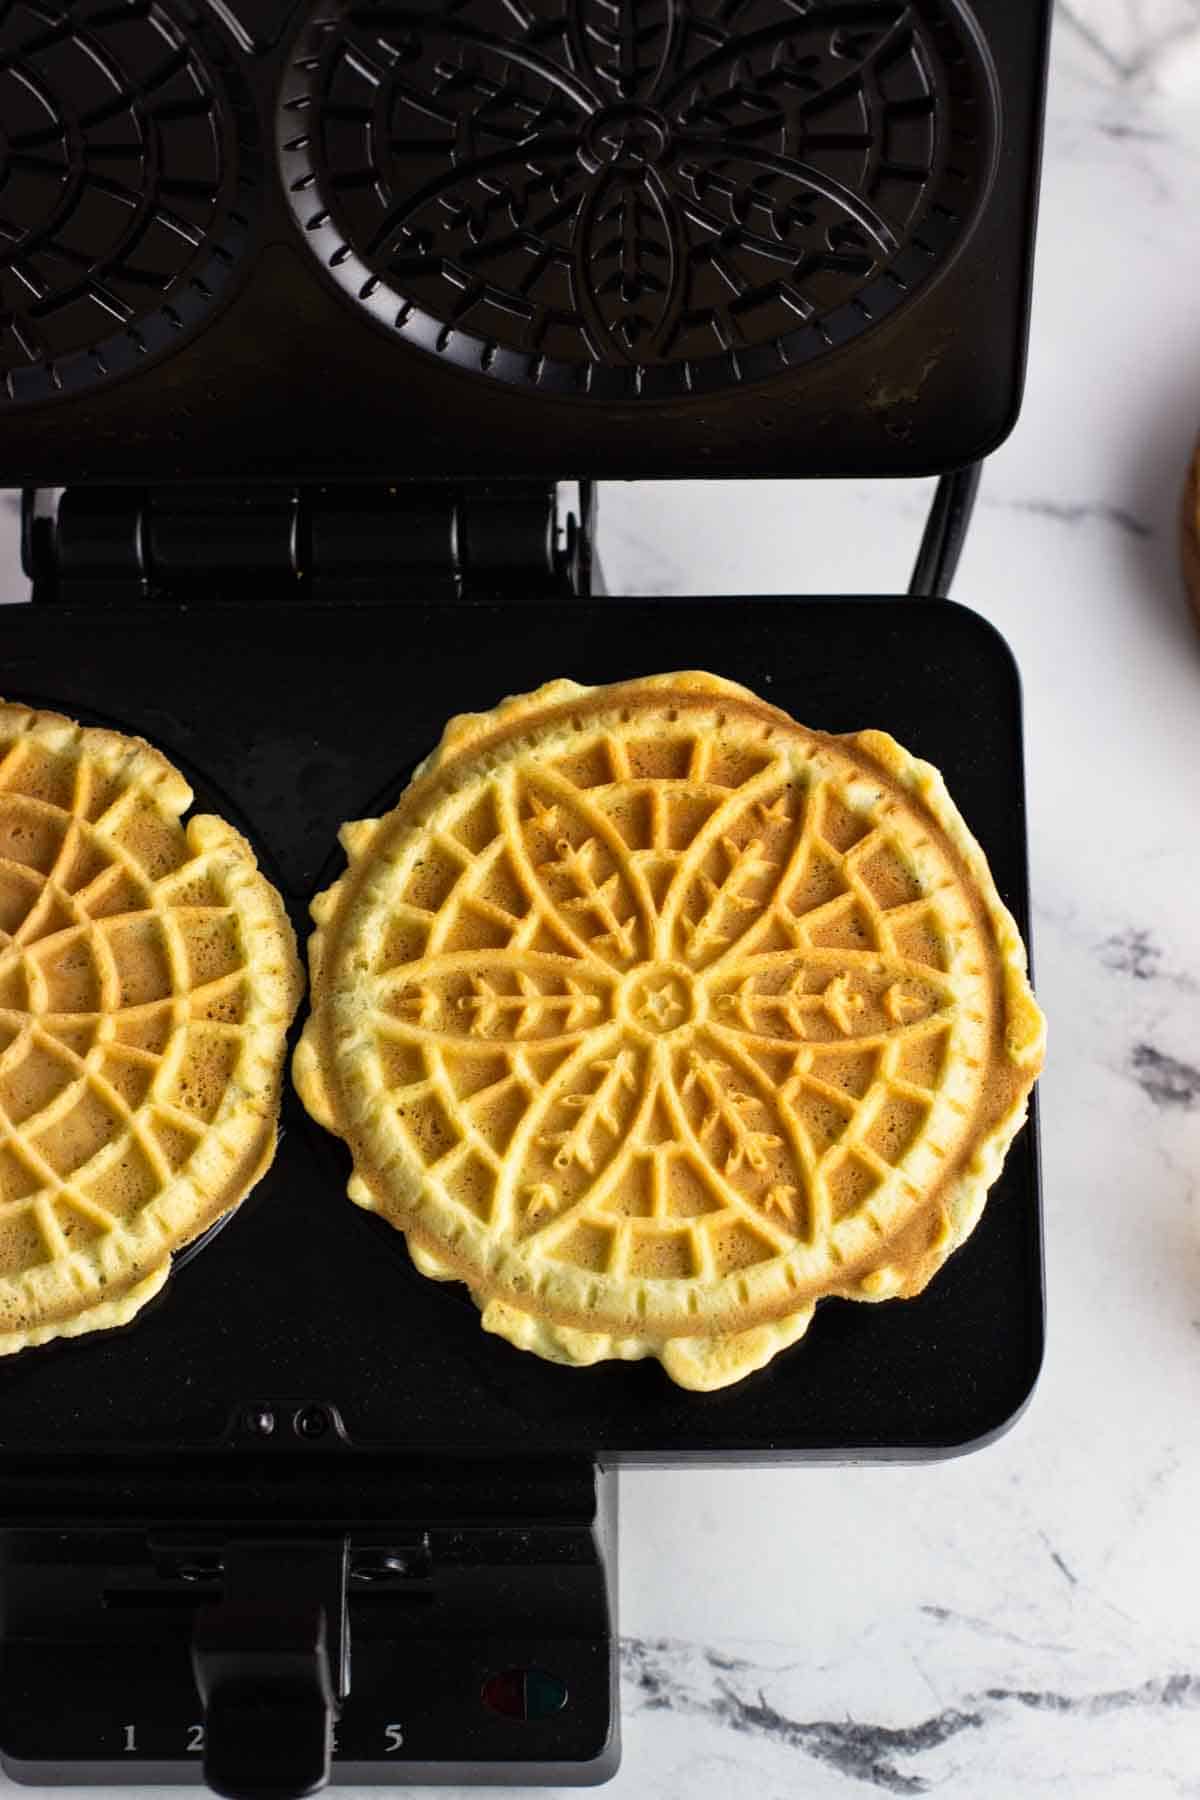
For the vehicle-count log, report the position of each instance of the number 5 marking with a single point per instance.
(395, 1737)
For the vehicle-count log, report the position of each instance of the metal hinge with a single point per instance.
(205, 545)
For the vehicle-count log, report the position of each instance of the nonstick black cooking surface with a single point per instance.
(293, 719)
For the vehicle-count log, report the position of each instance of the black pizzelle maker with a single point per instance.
(305, 312)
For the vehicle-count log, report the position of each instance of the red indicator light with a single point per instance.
(505, 1693)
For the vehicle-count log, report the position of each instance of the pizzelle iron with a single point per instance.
(309, 317)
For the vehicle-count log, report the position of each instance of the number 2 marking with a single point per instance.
(195, 1739)
(395, 1737)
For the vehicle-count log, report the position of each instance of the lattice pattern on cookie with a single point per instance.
(669, 1007)
(147, 977)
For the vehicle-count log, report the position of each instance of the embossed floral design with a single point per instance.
(620, 197)
(656, 1009)
(656, 1018)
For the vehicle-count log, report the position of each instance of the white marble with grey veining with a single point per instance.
(1025, 1619)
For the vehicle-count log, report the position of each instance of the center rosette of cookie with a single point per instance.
(660, 998)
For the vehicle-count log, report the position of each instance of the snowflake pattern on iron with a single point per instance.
(620, 198)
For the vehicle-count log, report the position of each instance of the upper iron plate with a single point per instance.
(486, 237)
(636, 200)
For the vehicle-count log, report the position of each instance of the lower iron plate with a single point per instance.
(293, 719)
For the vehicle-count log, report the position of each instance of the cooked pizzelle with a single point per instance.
(148, 975)
(655, 1017)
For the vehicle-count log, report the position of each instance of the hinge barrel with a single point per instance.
(382, 543)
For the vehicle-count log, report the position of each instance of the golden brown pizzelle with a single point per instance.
(148, 975)
(656, 1017)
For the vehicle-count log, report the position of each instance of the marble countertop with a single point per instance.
(1022, 1619)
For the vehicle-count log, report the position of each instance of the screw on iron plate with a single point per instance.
(208, 1570)
(378, 1568)
(312, 1422)
(260, 1421)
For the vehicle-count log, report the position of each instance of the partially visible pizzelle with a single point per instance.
(655, 1017)
(148, 975)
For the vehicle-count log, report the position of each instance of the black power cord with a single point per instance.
(945, 533)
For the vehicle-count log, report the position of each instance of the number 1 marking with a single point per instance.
(130, 1739)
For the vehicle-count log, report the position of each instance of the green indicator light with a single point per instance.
(544, 1694)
